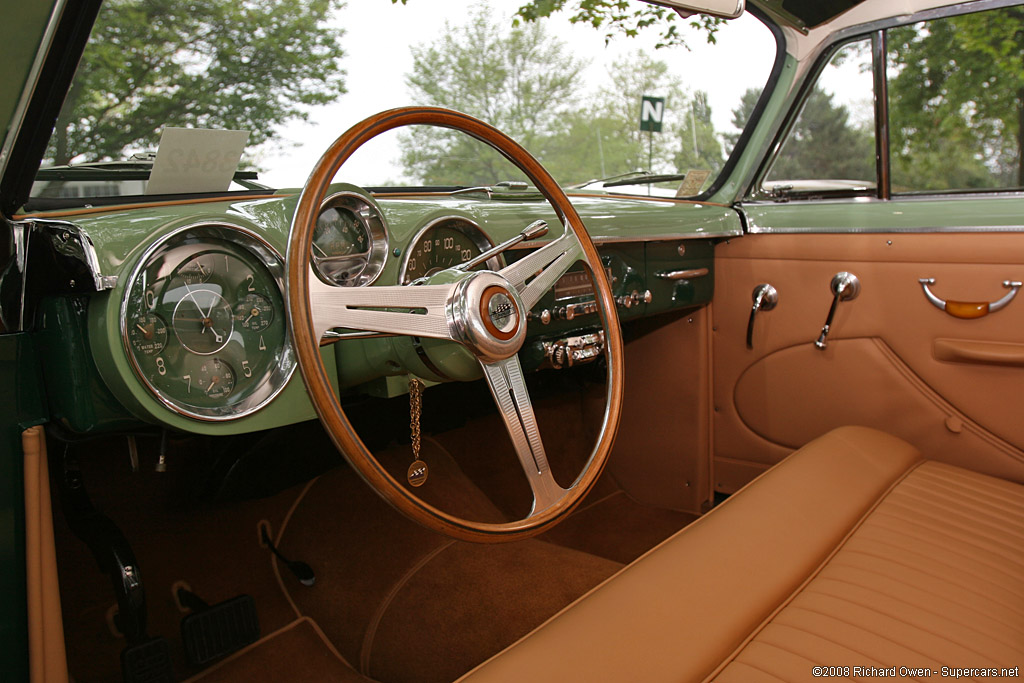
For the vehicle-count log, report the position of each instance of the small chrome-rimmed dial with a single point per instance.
(350, 242)
(214, 378)
(147, 333)
(254, 312)
(203, 321)
(197, 270)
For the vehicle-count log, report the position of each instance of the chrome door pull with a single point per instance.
(970, 309)
(682, 274)
(845, 287)
(765, 297)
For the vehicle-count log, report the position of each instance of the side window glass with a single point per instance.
(831, 146)
(956, 87)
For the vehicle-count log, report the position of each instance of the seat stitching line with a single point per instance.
(925, 610)
(956, 518)
(969, 493)
(960, 539)
(962, 509)
(961, 484)
(959, 586)
(926, 540)
(893, 617)
(863, 629)
(757, 668)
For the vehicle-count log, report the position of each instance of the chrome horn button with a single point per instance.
(488, 316)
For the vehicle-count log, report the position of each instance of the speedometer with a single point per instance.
(445, 243)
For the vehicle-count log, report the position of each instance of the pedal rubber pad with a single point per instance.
(219, 630)
(148, 662)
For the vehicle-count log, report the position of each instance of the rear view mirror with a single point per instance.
(726, 9)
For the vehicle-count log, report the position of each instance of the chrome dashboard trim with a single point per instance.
(286, 364)
(884, 230)
(674, 237)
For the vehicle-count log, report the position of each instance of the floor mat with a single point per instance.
(298, 652)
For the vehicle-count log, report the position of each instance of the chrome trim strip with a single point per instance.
(879, 55)
(30, 85)
(970, 7)
(755, 230)
(675, 237)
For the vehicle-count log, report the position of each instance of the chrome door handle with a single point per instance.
(682, 274)
(765, 298)
(970, 309)
(845, 287)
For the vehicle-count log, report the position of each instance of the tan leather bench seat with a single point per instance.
(854, 551)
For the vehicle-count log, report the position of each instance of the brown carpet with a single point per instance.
(405, 605)
(298, 653)
(618, 528)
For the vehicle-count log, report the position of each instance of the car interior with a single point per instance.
(766, 431)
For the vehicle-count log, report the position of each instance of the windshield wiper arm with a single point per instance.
(645, 178)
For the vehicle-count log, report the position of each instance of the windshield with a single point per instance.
(601, 107)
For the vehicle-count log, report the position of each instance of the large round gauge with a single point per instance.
(349, 242)
(203, 322)
(445, 243)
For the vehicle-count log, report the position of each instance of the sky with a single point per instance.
(377, 40)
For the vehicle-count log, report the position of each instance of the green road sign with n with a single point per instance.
(652, 111)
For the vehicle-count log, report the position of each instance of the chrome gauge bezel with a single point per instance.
(282, 365)
(462, 224)
(372, 221)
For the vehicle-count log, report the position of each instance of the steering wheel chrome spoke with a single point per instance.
(508, 387)
(547, 263)
(396, 309)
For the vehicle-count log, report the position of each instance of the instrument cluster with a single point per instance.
(203, 322)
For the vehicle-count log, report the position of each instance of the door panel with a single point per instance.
(893, 361)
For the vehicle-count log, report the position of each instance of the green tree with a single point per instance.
(823, 143)
(251, 64)
(699, 144)
(957, 101)
(521, 80)
(629, 79)
(619, 17)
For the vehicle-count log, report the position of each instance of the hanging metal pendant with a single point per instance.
(417, 473)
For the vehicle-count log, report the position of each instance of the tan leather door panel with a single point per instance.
(950, 386)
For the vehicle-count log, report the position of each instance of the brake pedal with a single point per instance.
(147, 662)
(212, 632)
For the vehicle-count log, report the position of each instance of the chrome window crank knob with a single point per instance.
(765, 297)
(845, 287)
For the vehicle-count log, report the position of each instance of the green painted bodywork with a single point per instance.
(637, 238)
(978, 211)
(21, 406)
(24, 26)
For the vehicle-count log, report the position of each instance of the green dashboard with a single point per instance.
(183, 323)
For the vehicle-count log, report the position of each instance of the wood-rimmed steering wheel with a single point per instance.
(486, 311)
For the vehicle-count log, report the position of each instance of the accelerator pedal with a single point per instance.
(148, 662)
(212, 632)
